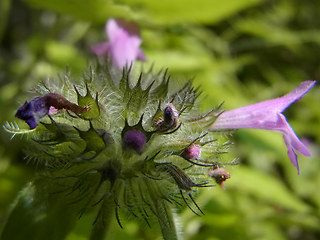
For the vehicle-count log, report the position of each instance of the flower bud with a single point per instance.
(135, 140)
(170, 119)
(170, 114)
(191, 152)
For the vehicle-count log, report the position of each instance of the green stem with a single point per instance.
(104, 219)
(165, 219)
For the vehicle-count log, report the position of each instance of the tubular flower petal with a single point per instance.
(268, 115)
(124, 43)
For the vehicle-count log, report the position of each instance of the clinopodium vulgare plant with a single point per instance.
(117, 146)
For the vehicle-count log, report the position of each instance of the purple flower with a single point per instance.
(124, 43)
(268, 115)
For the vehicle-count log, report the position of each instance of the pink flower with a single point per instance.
(124, 43)
(268, 115)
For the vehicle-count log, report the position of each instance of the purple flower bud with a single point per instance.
(124, 43)
(135, 140)
(191, 152)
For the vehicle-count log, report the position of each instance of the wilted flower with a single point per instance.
(268, 115)
(124, 43)
(219, 174)
(31, 112)
(169, 119)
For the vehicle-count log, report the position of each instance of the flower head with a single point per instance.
(140, 149)
(268, 115)
(124, 43)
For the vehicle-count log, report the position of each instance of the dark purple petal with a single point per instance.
(32, 111)
(32, 123)
(25, 111)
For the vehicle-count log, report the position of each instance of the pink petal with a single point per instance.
(124, 43)
(292, 138)
(141, 55)
(125, 50)
(267, 115)
(292, 155)
(101, 49)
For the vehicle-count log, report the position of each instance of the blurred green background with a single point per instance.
(239, 51)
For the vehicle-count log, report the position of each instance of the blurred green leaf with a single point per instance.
(5, 6)
(92, 11)
(35, 216)
(246, 180)
(167, 12)
(189, 11)
(62, 55)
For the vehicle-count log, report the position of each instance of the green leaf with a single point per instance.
(38, 214)
(184, 11)
(94, 10)
(267, 188)
(165, 12)
(64, 54)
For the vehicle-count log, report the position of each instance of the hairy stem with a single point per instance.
(166, 220)
(104, 219)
